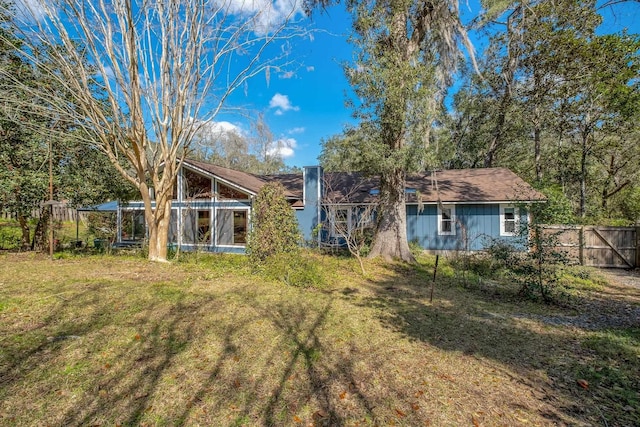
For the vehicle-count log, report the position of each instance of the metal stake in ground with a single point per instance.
(433, 283)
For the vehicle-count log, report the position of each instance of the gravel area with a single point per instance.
(618, 306)
(623, 277)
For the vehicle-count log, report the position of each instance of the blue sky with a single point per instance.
(306, 102)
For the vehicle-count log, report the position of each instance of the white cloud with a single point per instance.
(282, 104)
(31, 10)
(109, 72)
(225, 127)
(311, 68)
(284, 148)
(296, 130)
(219, 130)
(264, 15)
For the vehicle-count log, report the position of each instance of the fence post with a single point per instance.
(581, 245)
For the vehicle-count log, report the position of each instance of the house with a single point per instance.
(446, 210)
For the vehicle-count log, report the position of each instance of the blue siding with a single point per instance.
(309, 217)
(476, 226)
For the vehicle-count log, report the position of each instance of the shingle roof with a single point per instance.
(446, 186)
(452, 186)
(474, 185)
(242, 179)
(293, 182)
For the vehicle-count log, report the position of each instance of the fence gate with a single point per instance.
(617, 247)
(610, 246)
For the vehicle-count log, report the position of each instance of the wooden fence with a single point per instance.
(616, 247)
(61, 212)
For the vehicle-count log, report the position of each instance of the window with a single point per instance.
(508, 220)
(226, 192)
(365, 217)
(231, 227)
(133, 227)
(344, 221)
(446, 220)
(196, 185)
(341, 222)
(173, 226)
(204, 226)
(239, 227)
(196, 226)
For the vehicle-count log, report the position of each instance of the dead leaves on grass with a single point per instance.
(319, 415)
(583, 383)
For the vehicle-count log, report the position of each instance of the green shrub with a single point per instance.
(274, 228)
(556, 210)
(538, 271)
(10, 236)
(102, 225)
(482, 265)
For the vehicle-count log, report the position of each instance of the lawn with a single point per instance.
(97, 340)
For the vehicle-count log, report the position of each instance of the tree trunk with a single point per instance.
(536, 144)
(158, 220)
(26, 232)
(390, 240)
(537, 120)
(583, 179)
(513, 51)
(40, 242)
(391, 235)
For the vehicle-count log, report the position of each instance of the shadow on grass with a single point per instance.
(120, 380)
(294, 374)
(118, 359)
(145, 355)
(308, 348)
(479, 322)
(249, 355)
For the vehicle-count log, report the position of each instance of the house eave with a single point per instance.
(476, 202)
(214, 176)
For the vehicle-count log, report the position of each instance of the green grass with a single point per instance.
(64, 233)
(9, 234)
(210, 340)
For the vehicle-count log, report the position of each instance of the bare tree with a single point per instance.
(140, 78)
(349, 221)
(227, 145)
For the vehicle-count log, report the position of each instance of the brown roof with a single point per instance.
(249, 181)
(446, 186)
(453, 186)
(293, 182)
(474, 185)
